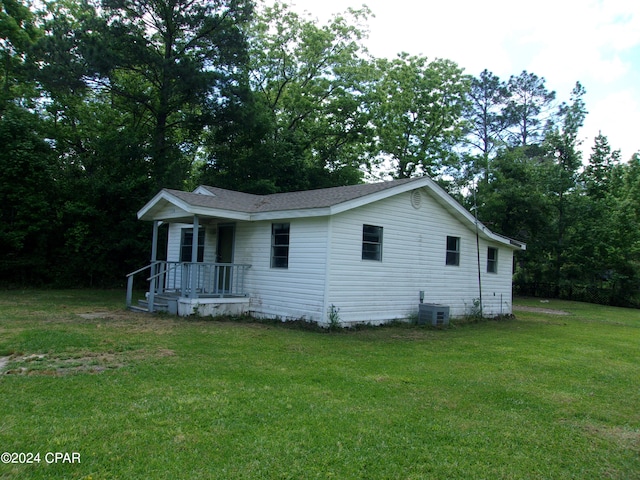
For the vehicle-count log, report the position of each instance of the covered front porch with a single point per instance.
(199, 275)
(187, 288)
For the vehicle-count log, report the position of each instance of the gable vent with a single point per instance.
(416, 199)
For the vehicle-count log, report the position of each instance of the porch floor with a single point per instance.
(204, 305)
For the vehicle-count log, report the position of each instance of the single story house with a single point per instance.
(357, 254)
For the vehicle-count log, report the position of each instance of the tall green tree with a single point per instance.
(104, 180)
(528, 108)
(18, 32)
(103, 173)
(486, 124)
(589, 246)
(597, 175)
(171, 59)
(300, 121)
(515, 203)
(563, 162)
(28, 167)
(416, 111)
(127, 88)
(604, 241)
(28, 197)
(625, 237)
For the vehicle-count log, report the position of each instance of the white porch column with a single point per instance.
(193, 278)
(154, 241)
(154, 267)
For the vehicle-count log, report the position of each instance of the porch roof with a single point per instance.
(218, 203)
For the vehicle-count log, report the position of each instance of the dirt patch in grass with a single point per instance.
(124, 315)
(548, 311)
(95, 315)
(623, 436)
(132, 321)
(77, 362)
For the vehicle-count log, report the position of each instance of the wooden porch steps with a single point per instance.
(138, 309)
(161, 303)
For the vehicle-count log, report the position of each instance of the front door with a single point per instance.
(224, 255)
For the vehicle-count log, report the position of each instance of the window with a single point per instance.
(453, 250)
(279, 245)
(492, 260)
(186, 245)
(371, 243)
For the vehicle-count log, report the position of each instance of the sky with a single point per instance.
(594, 42)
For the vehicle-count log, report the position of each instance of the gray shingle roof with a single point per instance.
(249, 203)
(229, 204)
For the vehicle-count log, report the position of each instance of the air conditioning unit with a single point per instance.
(433, 314)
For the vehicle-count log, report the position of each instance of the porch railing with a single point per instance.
(192, 280)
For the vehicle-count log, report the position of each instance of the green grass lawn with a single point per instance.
(156, 397)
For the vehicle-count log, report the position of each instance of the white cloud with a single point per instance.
(617, 116)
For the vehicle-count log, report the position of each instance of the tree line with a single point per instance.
(103, 103)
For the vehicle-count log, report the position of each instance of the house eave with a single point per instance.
(163, 198)
(453, 207)
(381, 195)
(292, 213)
(167, 207)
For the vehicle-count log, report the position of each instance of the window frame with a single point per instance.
(452, 256)
(372, 242)
(280, 243)
(492, 263)
(186, 248)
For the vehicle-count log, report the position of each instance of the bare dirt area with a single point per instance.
(548, 311)
(133, 321)
(78, 362)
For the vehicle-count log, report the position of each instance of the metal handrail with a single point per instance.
(197, 278)
(139, 270)
(130, 283)
(153, 283)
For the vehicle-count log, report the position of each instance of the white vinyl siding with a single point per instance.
(175, 238)
(497, 287)
(292, 293)
(326, 266)
(414, 247)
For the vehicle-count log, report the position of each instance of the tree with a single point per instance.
(562, 164)
(104, 179)
(625, 237)
(515, 203)
(597, 174)
(528, 107)
(486, 123)
(171, 59)
(416, 110)
(605, 240)
(28, 196)
(299, 121)
(28, 188)
(589, 247)
(18, 32)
